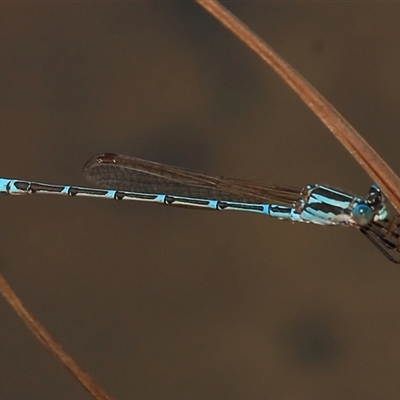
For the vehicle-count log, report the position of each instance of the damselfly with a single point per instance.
(130, 178)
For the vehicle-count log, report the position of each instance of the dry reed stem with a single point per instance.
(49, 342)
(364, 154)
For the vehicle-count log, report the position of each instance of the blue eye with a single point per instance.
(362, 214)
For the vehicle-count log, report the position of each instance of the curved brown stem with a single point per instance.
(50, 343)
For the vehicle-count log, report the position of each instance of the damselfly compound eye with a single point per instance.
(362, 214)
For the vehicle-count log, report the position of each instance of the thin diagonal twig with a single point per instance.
(364, 154)
(49, 342)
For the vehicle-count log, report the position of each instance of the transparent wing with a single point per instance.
(121, 172)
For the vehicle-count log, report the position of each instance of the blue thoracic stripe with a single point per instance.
(326, 206)
(324, 195)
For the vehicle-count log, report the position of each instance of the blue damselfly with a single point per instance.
(130, 178)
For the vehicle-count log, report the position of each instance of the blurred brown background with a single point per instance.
(163, 303)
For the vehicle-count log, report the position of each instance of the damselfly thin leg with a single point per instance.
(386, 240)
